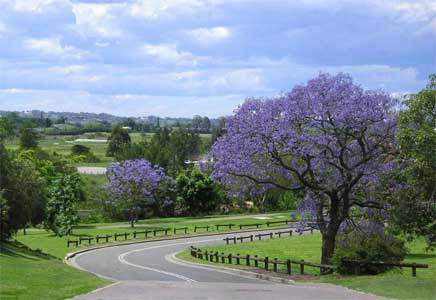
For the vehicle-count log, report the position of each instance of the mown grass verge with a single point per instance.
(32, 275)
(57, 246)
(395, 284)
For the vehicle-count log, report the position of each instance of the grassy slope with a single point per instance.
(31, 275)
(56, 246)
(397, 284)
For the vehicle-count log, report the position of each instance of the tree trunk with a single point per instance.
(328, 248)
(132, 218)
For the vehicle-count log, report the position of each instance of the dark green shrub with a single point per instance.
(368, 242)
(80, 149)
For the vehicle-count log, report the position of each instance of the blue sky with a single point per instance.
(187, 57)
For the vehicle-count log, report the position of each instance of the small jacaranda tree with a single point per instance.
(135, 184)
(329, 138)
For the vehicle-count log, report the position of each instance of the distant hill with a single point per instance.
(86, 117)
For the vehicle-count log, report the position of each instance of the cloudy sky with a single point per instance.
(186, 57)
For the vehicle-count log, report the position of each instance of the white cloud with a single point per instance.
(154, 9)
(34, 6)
(54, 47)
(210, 35)
(168, 53)
(97, 19)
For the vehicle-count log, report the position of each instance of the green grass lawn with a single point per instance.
(395, 284)
(31, 275)
(57, 246)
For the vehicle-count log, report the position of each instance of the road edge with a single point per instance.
(176, 260)
(71, 255)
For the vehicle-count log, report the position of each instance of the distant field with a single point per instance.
(62, 144)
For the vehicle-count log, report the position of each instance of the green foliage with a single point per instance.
(117, 139)
(80, 149)
(414, 206)
(367, 247)
(29, 137)
(64, 193)
(287, 201)
(197, 193)
(80, 153)
(168, 149)
(23, 191)
(5, 231)
(131, 151)
(6, 129)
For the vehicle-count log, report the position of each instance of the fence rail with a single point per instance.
(360, 263)
(268, 264)
(167, 231)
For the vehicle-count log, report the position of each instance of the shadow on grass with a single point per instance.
(18, 249)
(421, 256)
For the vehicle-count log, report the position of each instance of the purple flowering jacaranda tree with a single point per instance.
(329, 138)
(136, 183)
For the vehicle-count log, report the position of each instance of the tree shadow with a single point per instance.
(17, 249)
(421, 256)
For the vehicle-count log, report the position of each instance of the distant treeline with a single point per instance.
(61, 125)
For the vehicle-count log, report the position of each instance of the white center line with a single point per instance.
(122, 259)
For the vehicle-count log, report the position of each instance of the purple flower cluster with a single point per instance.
(136, 181)
(329, 136)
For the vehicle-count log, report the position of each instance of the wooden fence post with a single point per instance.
(230, 258)
(223, 258)
(288, 266)
(251, 238)
(256, 262)
(266, 262)
(247, 259)
(238, 261)
(414, 269)
(302, 267)
(275, 264)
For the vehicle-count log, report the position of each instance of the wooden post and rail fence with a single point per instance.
(267, 262)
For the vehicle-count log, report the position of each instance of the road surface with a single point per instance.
(146, 271)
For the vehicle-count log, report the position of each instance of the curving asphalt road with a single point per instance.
(145, 271)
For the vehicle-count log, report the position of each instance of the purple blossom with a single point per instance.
(135, 182)
(329, 138)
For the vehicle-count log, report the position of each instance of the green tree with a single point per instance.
(79, 149)
(23, 191)
(414, 206)
(6, 129)
(4, 219)
(63, 195)
(218, 130)
(117, 139)
(197, 193)
(28, 192)
(29, 137)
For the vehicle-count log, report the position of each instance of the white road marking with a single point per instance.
(173, 259)
(122, 259)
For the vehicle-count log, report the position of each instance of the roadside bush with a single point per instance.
(367, 242)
